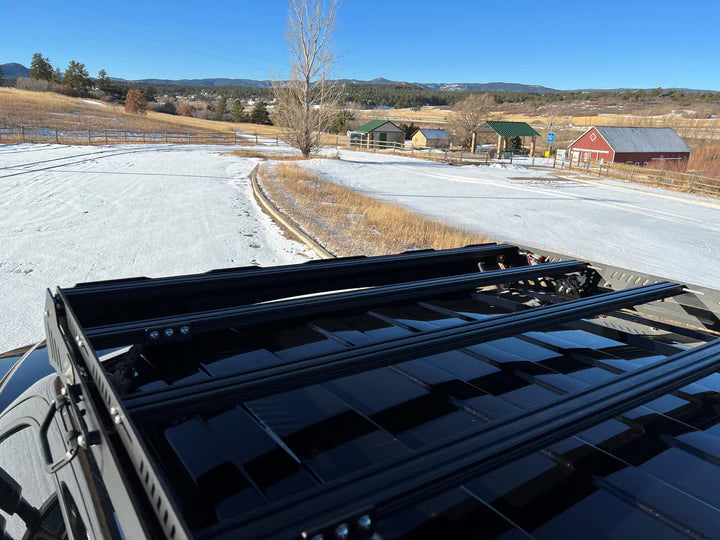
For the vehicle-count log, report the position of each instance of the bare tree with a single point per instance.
(468, 114)
(307, 103)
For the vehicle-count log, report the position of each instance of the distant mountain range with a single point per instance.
(14, 70)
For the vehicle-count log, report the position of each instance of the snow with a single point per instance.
(92, 102)
(671, 235)
(77, 214)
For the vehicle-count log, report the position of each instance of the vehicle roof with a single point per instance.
(236, 455)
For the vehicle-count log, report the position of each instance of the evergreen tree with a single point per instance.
(57, 76)
(102, 80)
(40, 68)
(76, 76)
(238, 114)
(149, 93)
(220, 108)
(1, 76)
(260, 114)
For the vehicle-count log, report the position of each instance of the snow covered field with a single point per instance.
(661, 233)
(75, 214)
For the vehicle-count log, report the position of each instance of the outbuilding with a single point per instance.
(636, 145)
(377, 134)
(431, 138)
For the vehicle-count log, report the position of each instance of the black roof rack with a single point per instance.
(351, 397)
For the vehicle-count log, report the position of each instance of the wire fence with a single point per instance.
(10, 134)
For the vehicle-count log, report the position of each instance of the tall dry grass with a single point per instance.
(349, 223)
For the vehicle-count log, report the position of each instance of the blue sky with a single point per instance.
(601, 44)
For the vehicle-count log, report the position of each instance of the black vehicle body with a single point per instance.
(453, 394)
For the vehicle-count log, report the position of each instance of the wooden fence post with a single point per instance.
(106, 139)
(166, 139)
(277, 140)
(188, 137)
(632, 172)
(22, 132)
(692, 182)
(89, 141)
(56, 137)
(256, 138)
(125, 136)
(143, 133)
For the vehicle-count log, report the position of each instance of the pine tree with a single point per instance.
(76, 76)
(102, 79)
(40, 68)
(238, 113)
(260, 114)
(220, 108)
(1, 76)
(57, 76)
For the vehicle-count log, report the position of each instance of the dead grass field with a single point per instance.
(273, 156)
(50, 110)
(349, 223)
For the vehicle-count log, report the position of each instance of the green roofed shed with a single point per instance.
(377, 134)
(511, 129)
(372, 125)
(507, 129)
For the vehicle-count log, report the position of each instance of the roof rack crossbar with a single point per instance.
(402, 482)
(151, 406)
(134, 299)
(137, 331)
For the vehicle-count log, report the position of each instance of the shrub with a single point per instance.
(34, 85)
(135, 102)
(168, 108)
(186, 110)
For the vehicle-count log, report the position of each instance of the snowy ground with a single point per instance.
(75, 214)
(662, 233)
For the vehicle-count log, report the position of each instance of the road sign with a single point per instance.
(551, 137)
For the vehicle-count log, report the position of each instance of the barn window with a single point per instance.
(593, 137)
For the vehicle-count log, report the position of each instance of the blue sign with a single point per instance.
(551, 137)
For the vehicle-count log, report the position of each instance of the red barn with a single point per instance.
(637, 145)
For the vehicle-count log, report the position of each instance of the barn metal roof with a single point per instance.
(435, 133)
(510, 129)
(643, 139)
(372, 125)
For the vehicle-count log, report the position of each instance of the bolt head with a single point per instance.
(154, 334)
(117, 419)
(82, 441)
(185, 330)
(342, 532)
(169, 332)
(113, 411)
(364, 522)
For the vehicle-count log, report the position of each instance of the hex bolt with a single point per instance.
(342, 532)
(185, 330)
(82, 441)
(47, 313)
(154, 334)
(364, 522)
(169, 332)
(113, 411)
(117, 419)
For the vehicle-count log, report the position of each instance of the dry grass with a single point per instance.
(273, 156)
(349, 223)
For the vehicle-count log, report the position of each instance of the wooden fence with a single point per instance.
(676, 181)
